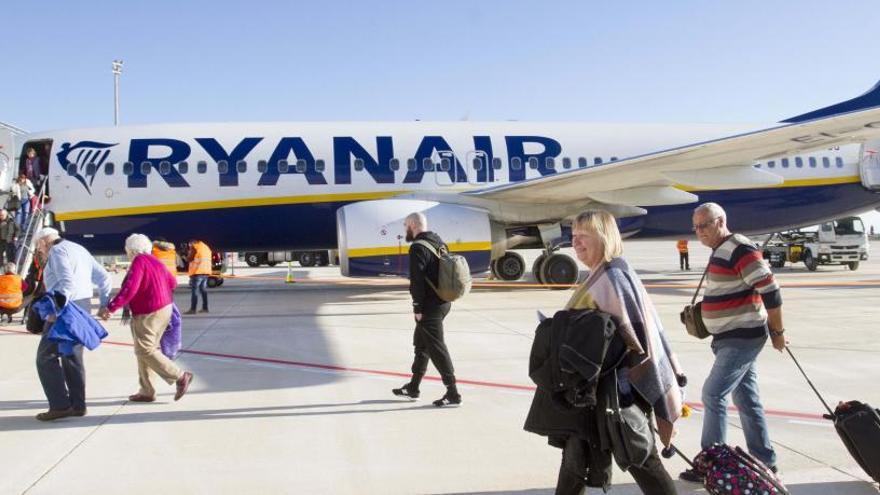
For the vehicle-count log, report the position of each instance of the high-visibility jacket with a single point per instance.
(200, 264)
(168, 257)
(682, 246)
(10, 291)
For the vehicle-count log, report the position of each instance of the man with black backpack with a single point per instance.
(429, 309)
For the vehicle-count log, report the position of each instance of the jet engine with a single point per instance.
(372, 238)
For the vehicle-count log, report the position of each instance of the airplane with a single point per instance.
(488, 188)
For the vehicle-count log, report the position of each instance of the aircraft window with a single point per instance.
(826, 162)
(550, 163)
(127, 168)
(566, 162)
(516, 163)
(771, 164)
(108, 168)
(533, 163)
(839, 162)
(613, 158)
(223, 167)
(262, 166)
(71, 170)
(91, 169)
(164, 167)
(202, 167)
(319, 165)
(283, 166)
(427, 164)
(812, 161)
(394, 164)
(445, 164)
(496, 163)
(358, 164)
(583, 162)
(183, 168)
(301, 166)
(784, 163)
(241, 166)
(597, 160)
(798, 162)
(411, 164)
(146, 167)
(478, 163)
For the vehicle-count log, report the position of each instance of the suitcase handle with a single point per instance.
(830, 414)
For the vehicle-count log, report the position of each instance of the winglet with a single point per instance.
(867, 100)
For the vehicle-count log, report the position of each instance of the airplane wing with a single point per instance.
(650, 179)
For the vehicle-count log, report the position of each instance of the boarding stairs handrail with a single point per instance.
(28, 241)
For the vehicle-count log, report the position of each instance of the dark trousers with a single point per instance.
(63, 377)
(428, 344)
(652, 477)
(7, 252)
(198, 283)
(684, 261)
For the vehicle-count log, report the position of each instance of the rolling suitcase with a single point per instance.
(858, 425)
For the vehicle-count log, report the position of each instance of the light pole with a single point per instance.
(117, 70)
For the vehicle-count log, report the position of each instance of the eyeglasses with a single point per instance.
(706, 224)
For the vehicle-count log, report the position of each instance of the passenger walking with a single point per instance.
(148, 289)
(31, 168)
(650, 377)
(70, 271)
(742, 303)
(12, 289)
(683, 255)
(9, 232)
(22, 191)
(199, 271)
(429, 310)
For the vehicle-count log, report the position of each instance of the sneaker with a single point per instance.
(448, 400)
(405, 391)
(203, 310)
(80, 412)
(189, 312)
(53, 414)
(692, 475)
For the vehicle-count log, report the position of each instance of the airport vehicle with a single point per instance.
(272, 258)
(488, 188)
(838, 242)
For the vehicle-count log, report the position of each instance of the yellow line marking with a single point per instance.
(820, 181)
(455, 247)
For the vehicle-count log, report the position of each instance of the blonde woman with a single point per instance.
(648, 376)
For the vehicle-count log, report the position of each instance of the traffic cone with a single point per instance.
(289, 279)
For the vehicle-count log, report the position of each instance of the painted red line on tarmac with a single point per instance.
(504, 386)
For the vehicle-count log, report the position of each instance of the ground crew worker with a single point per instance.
(11, 292)
(164, 251)
(683, 257)
(199, 271)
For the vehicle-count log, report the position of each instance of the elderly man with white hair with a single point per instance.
(148, 289)
(72, 272)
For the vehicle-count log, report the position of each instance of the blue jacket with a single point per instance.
(72, 326)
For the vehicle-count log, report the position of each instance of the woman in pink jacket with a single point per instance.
(148, 290)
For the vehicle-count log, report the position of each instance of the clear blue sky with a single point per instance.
(639, 61)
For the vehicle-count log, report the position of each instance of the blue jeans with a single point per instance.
(198, 283)
(734, 372)
(24, 212)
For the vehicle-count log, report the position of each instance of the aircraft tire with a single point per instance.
(536, 268)
(510, 267)
(559, 269)
(810, 261)
(493, 269)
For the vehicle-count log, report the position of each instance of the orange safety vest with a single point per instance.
(682, 246)
(168, 257)
(201, 261)
(10, 291)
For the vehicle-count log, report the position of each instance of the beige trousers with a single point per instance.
(146, 332)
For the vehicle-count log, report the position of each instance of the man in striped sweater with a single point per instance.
(741, 306)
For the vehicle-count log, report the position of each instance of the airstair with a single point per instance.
(25, 257)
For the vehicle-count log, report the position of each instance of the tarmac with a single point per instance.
(292, 391)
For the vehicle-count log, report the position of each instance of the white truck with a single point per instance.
(839, 242)
(305, 258)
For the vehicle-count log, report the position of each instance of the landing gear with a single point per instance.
(509, 267)
(537, 266)
(559, 269)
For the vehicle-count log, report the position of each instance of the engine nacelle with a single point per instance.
(372, 238)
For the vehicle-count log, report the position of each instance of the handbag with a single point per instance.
(692, 316)
(628, 428)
